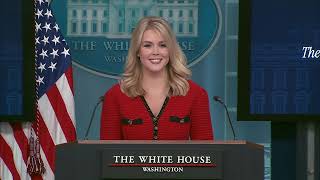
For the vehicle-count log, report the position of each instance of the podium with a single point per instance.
(110, 159)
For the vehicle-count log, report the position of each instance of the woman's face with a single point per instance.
(153, 52)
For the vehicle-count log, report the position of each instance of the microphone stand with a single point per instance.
(101, 99)
(218, 99)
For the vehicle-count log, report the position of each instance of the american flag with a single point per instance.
(55, 119)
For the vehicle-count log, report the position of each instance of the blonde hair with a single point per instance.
(178, 72)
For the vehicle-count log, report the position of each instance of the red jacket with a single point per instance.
(181, 117)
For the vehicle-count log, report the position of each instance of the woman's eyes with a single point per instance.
(163, 45)
(147, 45)
(150, 45)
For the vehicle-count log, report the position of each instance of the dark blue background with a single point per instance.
(282, 82)
(11, 60)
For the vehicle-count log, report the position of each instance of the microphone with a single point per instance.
(218, 99)
(101, 99)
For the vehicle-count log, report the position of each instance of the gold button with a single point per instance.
(181, 120)
(156, 128)
(155, 137)
(154, 119)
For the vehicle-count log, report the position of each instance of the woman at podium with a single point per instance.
(155, 99)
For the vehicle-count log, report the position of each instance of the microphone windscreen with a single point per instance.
(101, 98)
(216, 98)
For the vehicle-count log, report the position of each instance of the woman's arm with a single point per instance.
(110, 124)
(201, 127)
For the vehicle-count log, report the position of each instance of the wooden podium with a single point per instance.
(225, 160)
